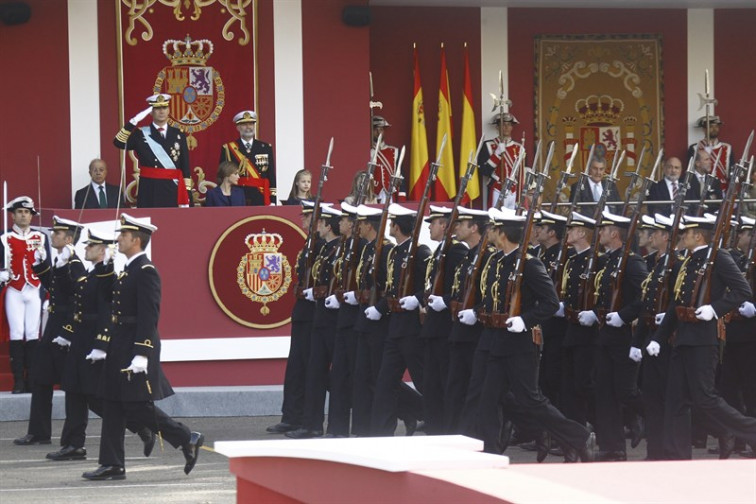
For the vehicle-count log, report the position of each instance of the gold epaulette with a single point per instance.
(148, 266)
(81, 278)
(110, 273)
(147, 343)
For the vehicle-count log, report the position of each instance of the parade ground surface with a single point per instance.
(26, 477)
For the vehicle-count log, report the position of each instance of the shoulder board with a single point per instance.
(81, 278)
(148, 266)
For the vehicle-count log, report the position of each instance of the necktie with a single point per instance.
(596, 192)
(101, 197)
(161, 129)
(674, 190)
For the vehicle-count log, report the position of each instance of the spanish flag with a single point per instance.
(419, 168)
(467, 145)
(446, 181)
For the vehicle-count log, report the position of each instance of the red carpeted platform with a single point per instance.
(450, 469)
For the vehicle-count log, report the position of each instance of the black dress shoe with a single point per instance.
(726, 446)
(281, 428)
(612, 456)
(505, 435)
(303, 433)
(191, 451)
(148, 439)
(30, 439)
(69, 453)
(105, 473)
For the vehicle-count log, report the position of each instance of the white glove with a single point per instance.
(372, 313)
(60, 340)
(613, 319)
(141, 115)
(560, 311)
(96, 355)
(635, 354)
(659, 318)
(467, 317)
(653, 349)
(64, 256)
(587, 318)
(309, 295)
(332, 303)
(515, 324)
(706, 313)
(138, 364)
(4, 275)
(40, 255)
(350, 298)
(747, 309)
(436, 303)
(500, 149)
(409, 303)
(109, 253)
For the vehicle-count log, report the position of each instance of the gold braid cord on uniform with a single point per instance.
(565, 276)
(495, 287)
(390, 275)
(681, 279)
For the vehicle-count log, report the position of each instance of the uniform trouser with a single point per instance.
(399, 354)
(578, 391)
(115, 416)
(296, 374)
(40, 411)
(691, 383)
(512, 380)
(738, 379)
(23, 311)
(322, 339)
(78, 406)
(366, 367)
(550, 368)
(469, 420)
(435, 373)
(616, 387)
(49, 365)
(461, 355)
(654, 378)
(342, 369)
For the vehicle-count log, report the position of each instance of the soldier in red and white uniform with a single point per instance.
(386, 160)
(497, 159)
(714, 148)
(21, 248)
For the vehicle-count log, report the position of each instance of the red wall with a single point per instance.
(735, 74)
(393, 31)
(335, 94)
(524, 24)
(35, 114)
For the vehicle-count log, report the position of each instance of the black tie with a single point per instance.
(101, 198)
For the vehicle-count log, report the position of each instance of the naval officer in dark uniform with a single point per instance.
(165, 179)
(132, 377)
(257, 166)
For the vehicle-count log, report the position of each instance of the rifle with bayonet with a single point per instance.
(557, 270)
(564, 178)
(662, 296)
(312, 235)
(587, 286)
(532, 174)
(513, 297)
(396, 180)
(406, 285)
(634, 176)
(437, 285)
(351, 256)
(619, 273)
(745, 188)
(473, 271)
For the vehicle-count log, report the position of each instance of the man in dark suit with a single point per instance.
(703, 166)
(695, 347)
(593, 188)
(132, 378)
(164, 176)
(98, 193)
(666, 188)
(257, 166)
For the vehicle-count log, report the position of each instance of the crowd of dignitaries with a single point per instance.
(576, 369)
(100, 342)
